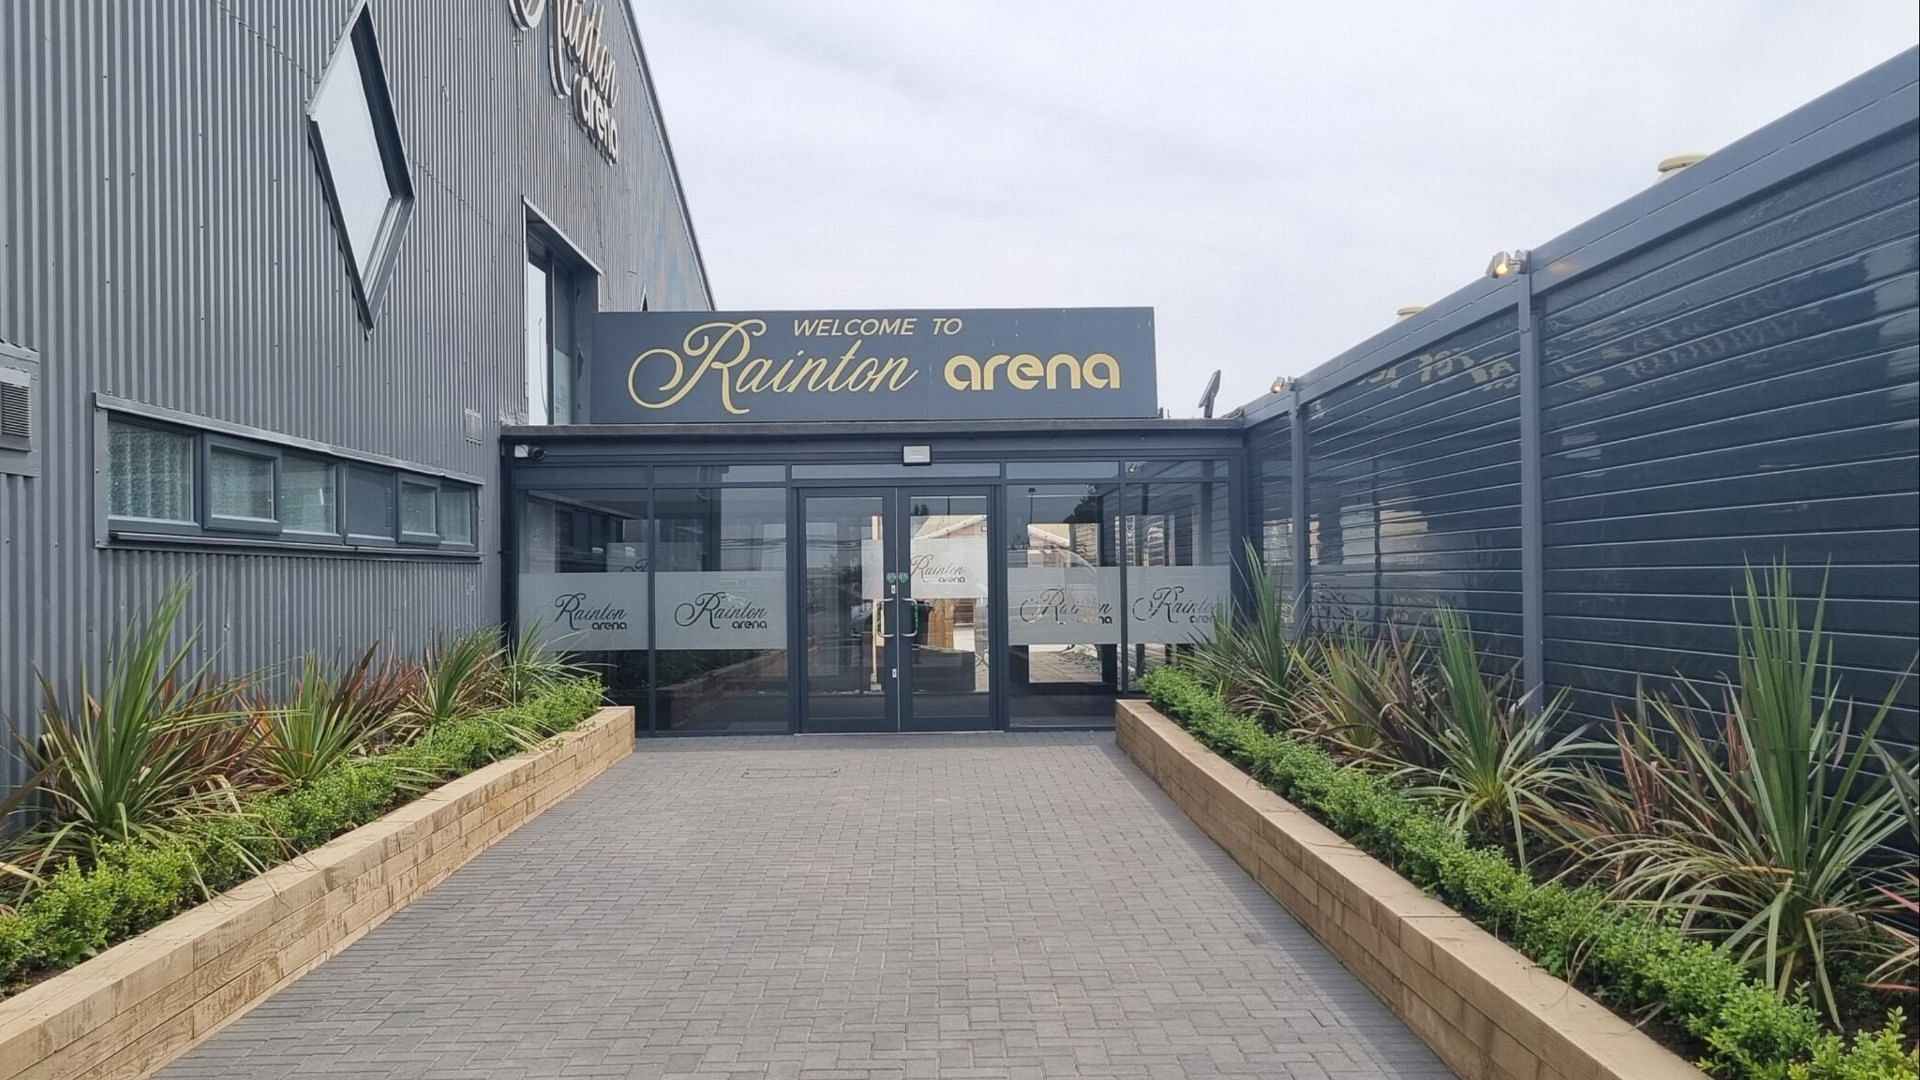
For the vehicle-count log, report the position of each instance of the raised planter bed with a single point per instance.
(140, 1004)
(1487, 1011)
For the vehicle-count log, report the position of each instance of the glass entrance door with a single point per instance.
(947, 609)
(896, 633)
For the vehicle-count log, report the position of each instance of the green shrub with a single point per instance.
(136, 884)
(1765, 820)
(1632, 963)
(330, 716)
(139, 755)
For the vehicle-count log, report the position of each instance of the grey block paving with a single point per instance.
(979, 906)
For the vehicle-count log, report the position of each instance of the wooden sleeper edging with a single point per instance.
(143, 1002)
(1485, 1009)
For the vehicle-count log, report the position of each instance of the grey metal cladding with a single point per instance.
(1743, 392)
(166, 241)
(1413, 487)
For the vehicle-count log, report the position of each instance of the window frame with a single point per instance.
(402, 482)
(334, 471)
(208, 531)
(472, 493)
(188, 526)
(572, 282)
(212, 521)
(370, 283)
(360, 539)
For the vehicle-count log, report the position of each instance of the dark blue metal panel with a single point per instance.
(1741, 392)
(1414, 488)
(1270, 507)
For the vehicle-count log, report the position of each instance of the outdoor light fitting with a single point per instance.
(1506, 264)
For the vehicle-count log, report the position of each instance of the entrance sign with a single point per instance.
(769, 366)
(722, 609)
(941, 568)
(577, 612)
(1175, 605)
(1063, 605)
(580, 67)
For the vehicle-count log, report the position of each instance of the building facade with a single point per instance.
(268, 274)
(371, 319)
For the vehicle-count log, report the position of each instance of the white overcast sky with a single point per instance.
(1273, 179)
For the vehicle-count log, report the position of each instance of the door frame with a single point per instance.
(904, 494)
(896, 502)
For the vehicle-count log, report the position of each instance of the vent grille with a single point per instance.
(475, 432)
(16, 412)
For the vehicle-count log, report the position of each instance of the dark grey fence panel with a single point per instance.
(1413, 489)
(1270, 500)
(1742, 392)
(1729, 375)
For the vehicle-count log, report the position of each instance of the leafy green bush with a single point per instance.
(135, 884)
(139, 756)
(330, 716)
(1251, 657)
(1766, 823)
(1621, 958)
(456, 678)
(1494, 767)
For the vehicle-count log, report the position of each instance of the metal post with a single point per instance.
(1532, 595)
(1302, 550)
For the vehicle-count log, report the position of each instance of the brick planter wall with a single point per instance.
(1489, 1012)
(140, 1004)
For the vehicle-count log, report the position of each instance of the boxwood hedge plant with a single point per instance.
(135, 884)
(1737, 1025)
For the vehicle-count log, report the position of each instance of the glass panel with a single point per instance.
(719, 474)
(149, 473)
(419, 509)
(1063, 604)
(1177, 551)
(560, 296)
(720, 591)
(879, 469)
(370, 505)
(239, 485)
(846, 661)
(1062, 470)
(536, 351)
(1156, 470)
(456, 514)
(354, 160)
(583, 581)
(949, 612)
(307, 495)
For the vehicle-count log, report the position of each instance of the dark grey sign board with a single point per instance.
(1041, 363)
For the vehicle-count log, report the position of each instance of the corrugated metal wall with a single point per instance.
(166, 240)
(1728, 373)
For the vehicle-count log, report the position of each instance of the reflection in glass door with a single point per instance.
(847, 651)
(947, 610)
(896, 631)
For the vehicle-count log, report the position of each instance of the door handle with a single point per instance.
(913, 631)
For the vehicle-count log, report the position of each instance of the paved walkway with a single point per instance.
(837, 907)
